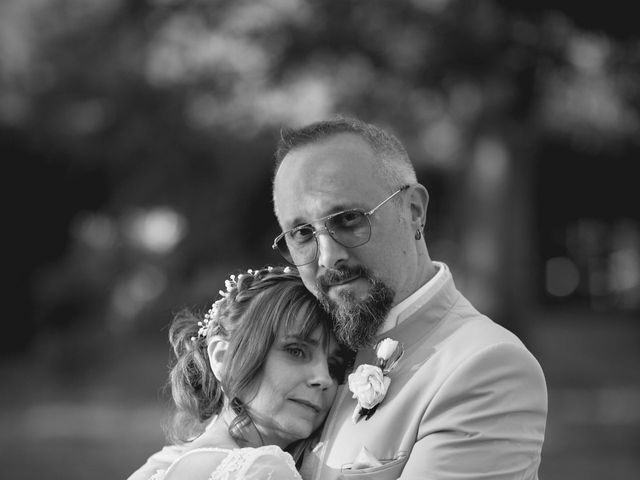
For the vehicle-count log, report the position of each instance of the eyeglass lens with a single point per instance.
(350, 229)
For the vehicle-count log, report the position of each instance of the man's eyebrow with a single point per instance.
(299, 221)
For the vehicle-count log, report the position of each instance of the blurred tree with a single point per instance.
(176, 106)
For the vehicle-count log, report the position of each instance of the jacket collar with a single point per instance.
(413, 318)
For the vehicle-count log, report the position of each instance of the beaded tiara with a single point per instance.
(230, 284)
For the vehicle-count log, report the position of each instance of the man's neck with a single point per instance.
(424, 273)
(421, 295)
(429, 272)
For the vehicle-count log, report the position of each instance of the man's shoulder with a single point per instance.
(465, 336)
(480, 331)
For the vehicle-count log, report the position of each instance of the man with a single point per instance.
(466, 399)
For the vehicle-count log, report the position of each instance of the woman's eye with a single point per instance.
(296, 352)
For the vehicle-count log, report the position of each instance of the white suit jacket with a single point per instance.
(466, 401)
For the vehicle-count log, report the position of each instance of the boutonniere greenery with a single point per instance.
(369, 383)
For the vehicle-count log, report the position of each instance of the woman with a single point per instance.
(253, 381)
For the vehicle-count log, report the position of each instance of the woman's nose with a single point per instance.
(319, 375)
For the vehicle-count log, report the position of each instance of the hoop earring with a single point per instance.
(418, 234)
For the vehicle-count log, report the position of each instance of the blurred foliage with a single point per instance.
(134, 120)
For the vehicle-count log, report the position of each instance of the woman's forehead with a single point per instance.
(308, 325)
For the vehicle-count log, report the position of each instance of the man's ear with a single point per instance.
(419, 200)
(217, 350)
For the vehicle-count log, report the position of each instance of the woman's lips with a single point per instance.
(311, 405)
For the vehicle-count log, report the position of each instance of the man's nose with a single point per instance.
(330, 252)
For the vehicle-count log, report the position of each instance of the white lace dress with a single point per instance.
(263, 463)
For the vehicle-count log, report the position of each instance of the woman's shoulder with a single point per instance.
(269, 461)
(195, 463)
(240, 463)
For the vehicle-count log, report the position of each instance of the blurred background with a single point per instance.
(139, 138)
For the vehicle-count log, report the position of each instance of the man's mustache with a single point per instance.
(339, 275)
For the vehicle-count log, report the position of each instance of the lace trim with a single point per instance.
(159, 475)
(239, 461)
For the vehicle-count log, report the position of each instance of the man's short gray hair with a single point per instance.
(396, 167)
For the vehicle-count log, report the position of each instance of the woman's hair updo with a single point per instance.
(255, 307)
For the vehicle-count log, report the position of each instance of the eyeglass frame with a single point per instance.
(326, 218)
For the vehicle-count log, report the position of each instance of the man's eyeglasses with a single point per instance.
(350, 228)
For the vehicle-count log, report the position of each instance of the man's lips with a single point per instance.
(343, 281)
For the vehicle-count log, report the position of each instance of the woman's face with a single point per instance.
(297, 387)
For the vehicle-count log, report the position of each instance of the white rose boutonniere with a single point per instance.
(369, 383)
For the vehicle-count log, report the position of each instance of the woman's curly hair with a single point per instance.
(255, 308)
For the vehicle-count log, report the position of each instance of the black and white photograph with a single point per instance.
(320, 240)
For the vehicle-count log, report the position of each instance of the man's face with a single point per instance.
(357, 285)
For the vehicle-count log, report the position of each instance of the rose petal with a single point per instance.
(355, 416)
(386, 348)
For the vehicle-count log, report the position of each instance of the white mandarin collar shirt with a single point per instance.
(417, 299)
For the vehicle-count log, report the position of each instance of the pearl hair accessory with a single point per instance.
(230, 284)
